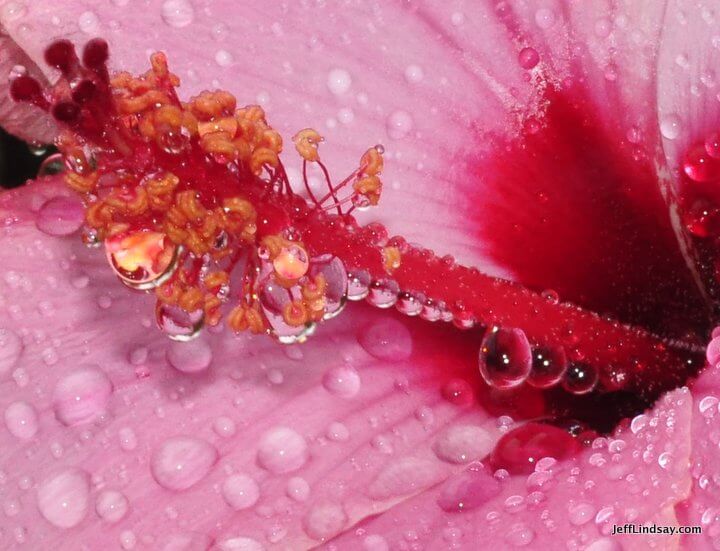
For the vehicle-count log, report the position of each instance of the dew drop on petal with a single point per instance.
(375, 542)
(298, 489)
(60, 216)
(399, 124)
(63, 497)
(468, 490)
(405, 476)
(505, 358)
(282, 450)
(463, 443)
(414, 74)
(580, 378)
(177, 324)
(223, 58)
(89, 22)
(458, 392)
(520, 535)
(111, 505)
(81, 396)
(21, 420)
(342, 381)
(178, 13)
(324, 520)
(528, 58)
(337, 432)
(182, 461)
(339, 81)
(224, 426)
(358, 285)
(386, 339)
(580, 513)
(128, 439)
(240, 491)
(670, 126)
(240, 543)
(190, 357)
(520, 448)
(10, 348)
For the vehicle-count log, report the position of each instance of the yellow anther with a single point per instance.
(391, 258)
(228, 125)
(315, 289)
(295, 314)
(306, 143)
(369, 187)
(261, 157)
(191, 299)
(81, 184)
(371, 163)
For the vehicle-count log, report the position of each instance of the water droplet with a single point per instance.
(274, 298)
(178, 324)
(468, 490)
(63, 497)
(10, 348)
(81, 396)
(13, 11)
(664, 459)
(505, 358)
(60, 216)
(410, 304)
(337, 432)
(89, 22)
(386, 339)
(463, 443)
(358, 285)
(580, 378)
(298, 489)
(21, 420)
(414, 74)
(240, 491)
(383, 293)
(178, 13)
(343, 381)
(708, 406)
(224, 426)
(223, 58)
(282, 450)
(520, 534)
(336, 282)
(701, 167)
(712, 145)
(375, 542)
(240, 543)
(182, 461)
(190, 357)
(339, 81)
(528, 58)
(128, 439)
(580, 513)
(458, 392)
(111, 505)
(405, 476)
(548, 366)
(520, 448)
(670, 126)
(638, 423)
(142, 259)
(545, 18)
(324, 520)
(399, 124)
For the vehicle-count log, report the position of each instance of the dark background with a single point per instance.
(18, 162)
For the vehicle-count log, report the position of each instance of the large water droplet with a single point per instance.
(274, 298)
(463, 443)
(142, 259)
(81, 396)
(111, 505)
(580, 378)
(190, 357)
(505, 357)
(386, 339)
(182, 461)
(336, 280)
(282, 450)
(339, 81)
(519, 450)
(60, 216)
(240, 491)
(178, 324)
(63, 497)
(670, 126)
(343, 381)
(324, 520)
(21, 420)
(178, 13)
(548, 366)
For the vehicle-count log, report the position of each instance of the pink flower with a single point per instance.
(547, 142)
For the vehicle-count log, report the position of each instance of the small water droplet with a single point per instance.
(399, 124)
(580, 378)
(223, 58)
(358, 285)
(10, 348)
(458, 392)
(178, 324)
(548, 366)
(89, 22)
(468, 490)
(298, 489)
(670, 126)
(224, 426)
(405, 476)
(386, 339)
(190, 357)
(60, 216)
(580, 513)
(337, 432)
(324, 520)
(282, 450)
(128, 439)
(339, 81)
(383, 293)
(463, 443)
(342, 381)
(520, 535)
(182, 461)
(414, 74)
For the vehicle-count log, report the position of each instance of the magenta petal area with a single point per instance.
(114, 436)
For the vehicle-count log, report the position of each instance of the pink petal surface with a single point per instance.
(108, 441)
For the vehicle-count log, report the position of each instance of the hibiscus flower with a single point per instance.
(553, 144)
